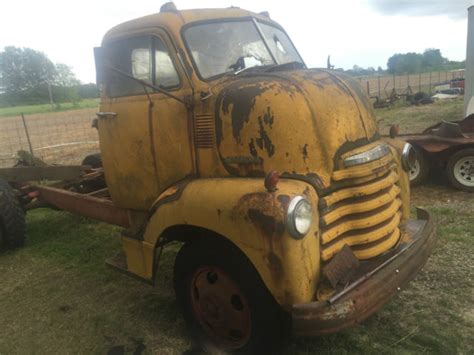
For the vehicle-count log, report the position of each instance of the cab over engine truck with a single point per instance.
(294, 214)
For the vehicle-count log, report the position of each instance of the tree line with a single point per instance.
(409, 63)
(28, 76)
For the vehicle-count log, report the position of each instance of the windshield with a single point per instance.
(221, 47)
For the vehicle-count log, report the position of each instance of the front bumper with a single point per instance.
(372, 289)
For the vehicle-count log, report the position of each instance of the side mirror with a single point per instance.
(100, 68)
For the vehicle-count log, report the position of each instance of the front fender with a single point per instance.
(254, 220)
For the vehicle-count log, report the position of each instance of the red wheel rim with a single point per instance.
(220, 307)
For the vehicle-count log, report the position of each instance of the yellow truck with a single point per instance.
(293, 213)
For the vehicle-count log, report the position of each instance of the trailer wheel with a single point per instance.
(420, 170)
(12, 218)
(460, 170)
(224, 300)
(93, 160)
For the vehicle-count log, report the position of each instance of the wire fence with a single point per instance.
(56, 138)
(383, 85)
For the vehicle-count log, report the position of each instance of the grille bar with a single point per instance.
(362, 221)
(361, 237)
(358, 191)
(368, 203)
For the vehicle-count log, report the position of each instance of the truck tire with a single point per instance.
(93, 160)
(12, 218)
(224, 300)
(420, 171)
(460, 170)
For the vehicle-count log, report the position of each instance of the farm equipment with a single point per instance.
(294, 214)
(445, 146)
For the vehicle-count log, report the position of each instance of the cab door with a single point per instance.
(134, 120)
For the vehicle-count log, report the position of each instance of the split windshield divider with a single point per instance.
(260, 32)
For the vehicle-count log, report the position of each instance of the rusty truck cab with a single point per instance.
(293, 210)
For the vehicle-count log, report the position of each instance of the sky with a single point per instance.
(354, 32)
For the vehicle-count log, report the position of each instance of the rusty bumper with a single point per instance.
(372, 289)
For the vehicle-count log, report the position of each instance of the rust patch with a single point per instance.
(305, 152)
(253, 150)
(275, 265)
(339, 311)
(341, 268)
(242, 99)
(264, 140)
(268, 118)
(267, 223)
(267, 213)
(261, 209)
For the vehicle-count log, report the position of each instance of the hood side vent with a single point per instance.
(204, 131)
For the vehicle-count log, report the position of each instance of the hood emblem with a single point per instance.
(375, 153)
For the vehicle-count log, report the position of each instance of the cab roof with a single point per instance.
(173, 21)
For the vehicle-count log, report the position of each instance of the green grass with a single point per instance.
(31, 109)
(57, 296)
(413, 119)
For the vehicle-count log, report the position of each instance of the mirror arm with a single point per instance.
(144, 83)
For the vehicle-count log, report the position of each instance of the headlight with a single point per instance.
(299, 217)
(408, 157)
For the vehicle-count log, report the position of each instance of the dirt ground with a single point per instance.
(57, 296)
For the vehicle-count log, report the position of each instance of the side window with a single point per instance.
(165, 71)
(140, 57)
(133, 57)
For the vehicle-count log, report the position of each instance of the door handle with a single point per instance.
(106, 114)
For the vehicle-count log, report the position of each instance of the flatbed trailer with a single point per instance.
(447, 146)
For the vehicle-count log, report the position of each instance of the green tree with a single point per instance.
(65, 76)
(24, 68)
(432, 59)
(405, 63)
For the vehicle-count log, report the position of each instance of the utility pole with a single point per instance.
(50, 94)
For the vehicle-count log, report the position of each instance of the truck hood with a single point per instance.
(297, 122)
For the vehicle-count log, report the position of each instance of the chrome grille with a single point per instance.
(362, 210)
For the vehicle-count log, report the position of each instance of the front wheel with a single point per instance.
(460, 170)
(224, 300)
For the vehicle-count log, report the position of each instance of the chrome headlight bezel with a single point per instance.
(294, 207)
(408, 157)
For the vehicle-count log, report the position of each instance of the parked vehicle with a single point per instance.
(447, 146)
(294, 214)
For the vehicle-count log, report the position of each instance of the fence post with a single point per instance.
(430, 83)
(378, 85)
(368, 87)
(419, 82)
(27, 133)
